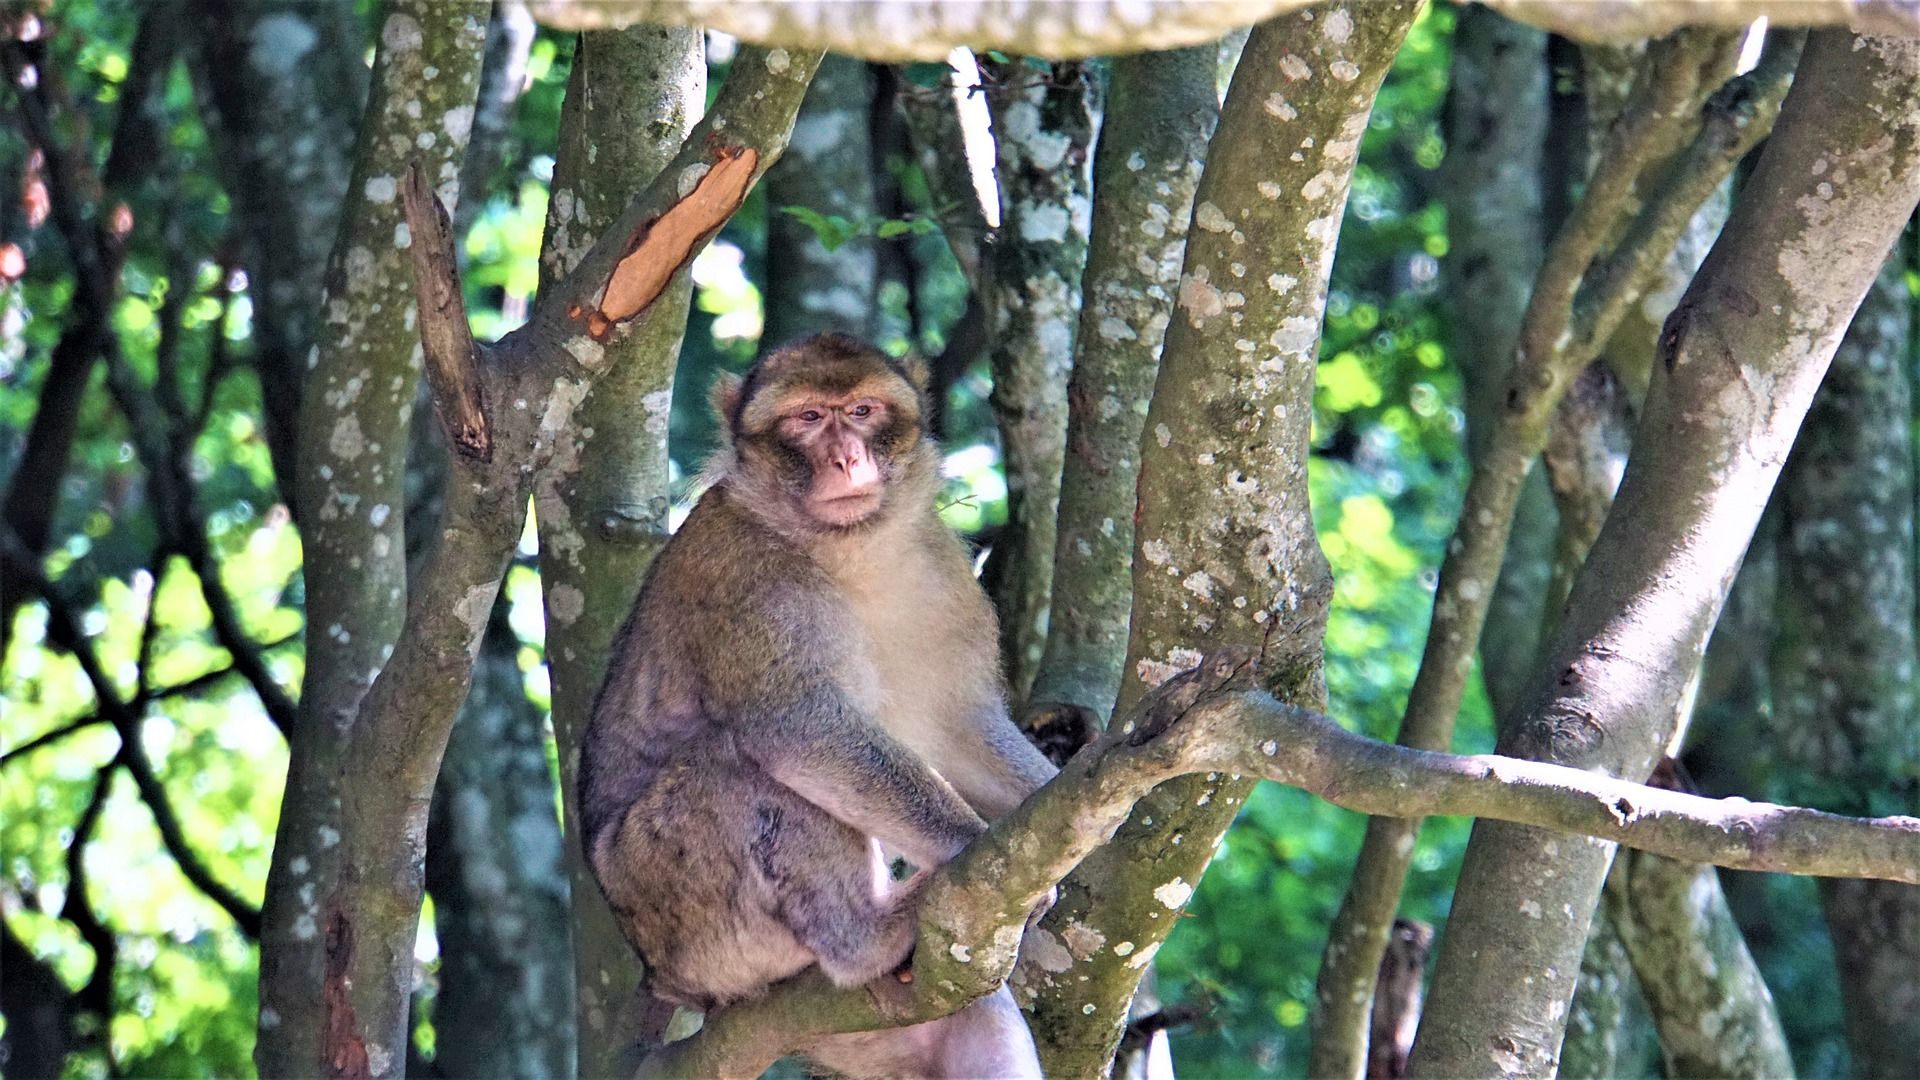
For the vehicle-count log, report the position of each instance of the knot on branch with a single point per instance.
(1229, 670)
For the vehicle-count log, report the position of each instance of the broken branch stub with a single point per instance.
(452, 356)
(663, 245)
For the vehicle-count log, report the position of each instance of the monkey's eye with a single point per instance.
(810, 416)
(863, 411)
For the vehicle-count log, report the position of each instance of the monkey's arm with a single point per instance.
(1006, 769)
(830, 754)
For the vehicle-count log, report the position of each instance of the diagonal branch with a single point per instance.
(159, 693)
(1215, 719)
(64, 629)
(445, 338)
(1560, 334)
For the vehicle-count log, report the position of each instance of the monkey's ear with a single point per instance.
(919, 372)
(725, 397)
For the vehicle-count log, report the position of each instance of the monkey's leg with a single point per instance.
(987, 1040)
(835, 895)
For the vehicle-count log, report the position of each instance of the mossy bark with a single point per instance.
(1225, 551)
(1734, 378)
(355, 413)
(1043, 126)
(1844, 657)
(602, 503)
(1161, 110)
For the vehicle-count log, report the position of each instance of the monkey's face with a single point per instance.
(829, 427)
(842, 442)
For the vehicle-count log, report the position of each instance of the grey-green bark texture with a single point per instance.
(1600, 1021)
(1161, 110)
(503, 76)
(1844, 660)
(928, 30)
(1496, 117)
(1712, 1009)
(354, 417)
(509, 409)
(1043, 126)
(504, 1006)
(1733, 381)
(602, 502)
(1224, 548)
(1601, 259)
(828, 169)
(285, 80)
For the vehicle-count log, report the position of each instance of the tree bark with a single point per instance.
(1161, 110)
(1043, 128)
(1733, 382)
(829, 171)
(285, 81)
(602, 503)
(1712, 1009)
(350, 488)
(1496, 116)
(1844, 658)
(1225, 551)
(505, 1000)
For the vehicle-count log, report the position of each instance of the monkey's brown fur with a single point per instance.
(802, 680)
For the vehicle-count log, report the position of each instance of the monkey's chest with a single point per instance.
(925, 665)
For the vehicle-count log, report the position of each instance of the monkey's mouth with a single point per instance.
(847, 508)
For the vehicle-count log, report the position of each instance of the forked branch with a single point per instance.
(1215, 719)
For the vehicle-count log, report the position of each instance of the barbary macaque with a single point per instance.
(810, 673)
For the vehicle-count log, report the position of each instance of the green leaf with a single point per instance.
(927, 74)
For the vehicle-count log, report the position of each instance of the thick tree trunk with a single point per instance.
(602, 504)
(1712, 1009)
(1161, 110)
(1845, 656)
(1225, 551)
(1043, 127)
(285, 80)
(1733, 382)
(827, 171)
(350, 489)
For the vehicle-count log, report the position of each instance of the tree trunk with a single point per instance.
(285, 80)
(350, 489)
(827, 171)
(1492, 181)
(1043, 126)
(1161, 110)
(602, 504)
(1727, 397)
(1225, 551)
(1845, 656)
(505, 1001)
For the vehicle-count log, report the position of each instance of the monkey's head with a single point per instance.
(827, 434)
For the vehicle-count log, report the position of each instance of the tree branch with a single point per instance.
(1555, 342)
(929, 29)
(445, 337)
(180, 689)
(64, 630)
(1214, 719)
